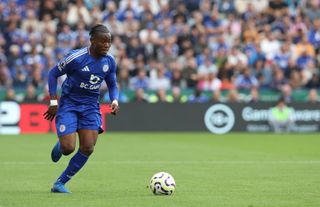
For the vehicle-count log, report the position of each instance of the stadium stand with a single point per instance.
(221, 50)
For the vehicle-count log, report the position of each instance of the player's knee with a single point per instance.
(87, 150)
(67, 149)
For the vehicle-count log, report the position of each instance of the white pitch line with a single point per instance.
(144, 162)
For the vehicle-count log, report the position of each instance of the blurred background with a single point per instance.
(179, 51)
(186, 68)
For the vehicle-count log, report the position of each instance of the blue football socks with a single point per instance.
(75, 164)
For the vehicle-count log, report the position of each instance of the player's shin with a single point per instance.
(75, 164)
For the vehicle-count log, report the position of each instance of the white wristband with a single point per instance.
(53, 102)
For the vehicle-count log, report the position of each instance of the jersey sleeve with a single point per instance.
(63, 67)
(111, 81)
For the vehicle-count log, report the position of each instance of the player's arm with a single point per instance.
(54, 73)
(111, 81)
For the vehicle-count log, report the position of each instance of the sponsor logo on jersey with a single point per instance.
(94, 79)
(89, 86)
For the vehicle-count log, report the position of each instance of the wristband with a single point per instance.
(53, 102)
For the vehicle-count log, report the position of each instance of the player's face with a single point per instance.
(101, 43)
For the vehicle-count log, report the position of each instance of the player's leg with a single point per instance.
(89, 122)
(89, 129)
(66, 130)
(88, 139)
(64, 146)
(66, 124)
(67, 143)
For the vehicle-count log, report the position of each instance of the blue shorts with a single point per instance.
(71, 118)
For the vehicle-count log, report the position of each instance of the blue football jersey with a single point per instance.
(85, 75)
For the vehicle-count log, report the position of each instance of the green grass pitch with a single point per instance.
(234, 170)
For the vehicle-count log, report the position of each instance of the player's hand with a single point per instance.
(114, 107)
(51, 113)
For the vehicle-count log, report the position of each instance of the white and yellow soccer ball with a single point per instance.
(162, 183)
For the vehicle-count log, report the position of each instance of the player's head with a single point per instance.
(100, 38)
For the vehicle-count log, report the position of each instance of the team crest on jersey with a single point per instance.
(62, 65)
(105, 68)
(62, 128)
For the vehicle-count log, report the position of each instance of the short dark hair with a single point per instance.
(281, 100)
(98, 28)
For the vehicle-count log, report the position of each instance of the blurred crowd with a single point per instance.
(168, 46)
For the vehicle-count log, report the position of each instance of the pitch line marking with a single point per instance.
(142, 162)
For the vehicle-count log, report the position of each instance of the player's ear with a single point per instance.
(92, 38)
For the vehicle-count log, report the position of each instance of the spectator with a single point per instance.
(20, 80)
(122, 96)
(5, 79)
(270, 45)
(176, 76)
(44, 97)
(226, 6)
(278, 5)
(159, 80)
(134, 48)
(140, 96)
(281, 117)
(31, 96)
(307, 73)
(314, 33)
(198, 97)
(278, 81)
(313, 9)
(246, 80)
(233, 96)
(207, 67)
(130, 24)
(176, 96)
(237, 58)
(254, 96)
(116, 26)
(314, 82)
(78, 12)
(313, 96)
(250, 6)
(216, 96)
(282, 58)
(189, 73)
(287, 93)
(10, 95)
(162, 96)
(139, 81)
(36, 79)
(30, 22)
(210, 82)
(304, 48)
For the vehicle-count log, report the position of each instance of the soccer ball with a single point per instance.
(162, 183)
